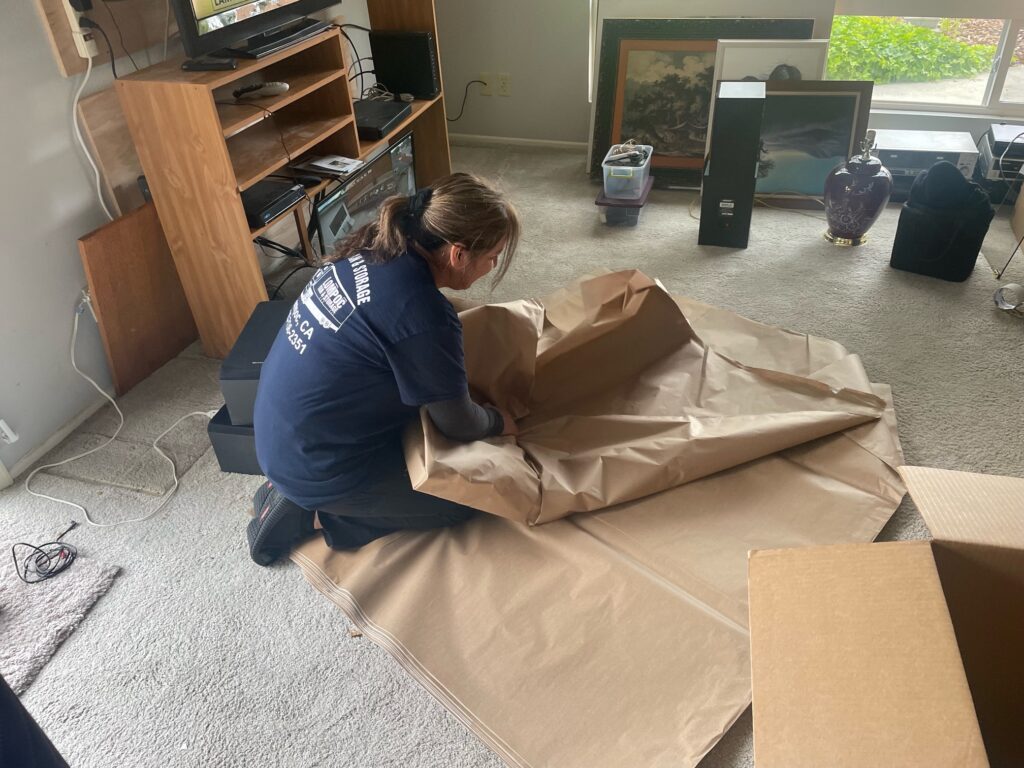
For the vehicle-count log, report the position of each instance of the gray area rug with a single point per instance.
(188, 383)
(36, 618)
(200, 658)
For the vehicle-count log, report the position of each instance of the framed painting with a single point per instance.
(771, 59)
(767, 60)
(809, 127)
(654, 85)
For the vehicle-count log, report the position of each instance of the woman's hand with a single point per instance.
(510, 427)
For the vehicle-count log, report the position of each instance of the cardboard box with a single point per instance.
(897, 654)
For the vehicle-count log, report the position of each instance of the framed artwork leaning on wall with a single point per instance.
(809, 127)
(654, 86)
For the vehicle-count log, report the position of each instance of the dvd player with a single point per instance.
(376, 119)
(265, 200)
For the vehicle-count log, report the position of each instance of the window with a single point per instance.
(973, 65)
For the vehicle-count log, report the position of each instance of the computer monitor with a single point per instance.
(358, 199)
(210, 25)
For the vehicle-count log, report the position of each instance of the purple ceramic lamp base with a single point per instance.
(855, 195)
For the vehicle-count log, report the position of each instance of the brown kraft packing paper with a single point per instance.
(619, 637)
(617, 398)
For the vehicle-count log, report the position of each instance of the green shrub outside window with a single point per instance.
(888, 49)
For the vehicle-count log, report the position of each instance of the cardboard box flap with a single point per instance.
(966, 507)
(984, 588)
(854, 671)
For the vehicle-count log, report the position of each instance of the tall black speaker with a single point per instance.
(730, 173)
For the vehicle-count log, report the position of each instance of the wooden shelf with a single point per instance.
(198, 155)
(367, 148)
(311, 193)
(236, 117)
(171, 72)
(258, 151)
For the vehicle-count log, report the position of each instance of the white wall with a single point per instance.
(544, 47)
(47, 203)
(542, 44)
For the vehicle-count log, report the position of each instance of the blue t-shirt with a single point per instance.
(362, 348)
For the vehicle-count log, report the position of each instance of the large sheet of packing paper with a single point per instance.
(619, 637)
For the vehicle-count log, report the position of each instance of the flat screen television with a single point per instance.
(215, 25)
(357, 200)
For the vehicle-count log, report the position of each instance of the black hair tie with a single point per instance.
(414, 220)
(418, 202)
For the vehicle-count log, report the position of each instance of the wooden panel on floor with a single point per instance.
(142, 23)
(143, 317)
(106, 131)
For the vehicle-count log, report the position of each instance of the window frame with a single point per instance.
(994, 105)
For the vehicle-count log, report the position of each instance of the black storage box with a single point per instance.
(234, 446)
(942, 226)
(240, 371)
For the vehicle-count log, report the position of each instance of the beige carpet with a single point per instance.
(197, 657)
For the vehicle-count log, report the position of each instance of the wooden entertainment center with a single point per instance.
(200, 150)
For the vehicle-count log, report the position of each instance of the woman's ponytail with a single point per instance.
(386, 237)
(460, 208)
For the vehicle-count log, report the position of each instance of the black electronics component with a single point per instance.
(375, 119)
(240, 371)
(266, 200)
(208, 65)
(406, 62)
(207, 26)
(233, 445)
(730, 172)
(1007, 138)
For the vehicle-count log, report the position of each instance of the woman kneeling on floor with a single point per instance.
(369, 341)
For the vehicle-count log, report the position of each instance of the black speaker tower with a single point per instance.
(730, 173)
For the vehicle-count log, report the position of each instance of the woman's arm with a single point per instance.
(463, 420)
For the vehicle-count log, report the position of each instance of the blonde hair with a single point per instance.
(460, 208)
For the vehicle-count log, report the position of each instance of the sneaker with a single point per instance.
(260, 497)
(279, 526)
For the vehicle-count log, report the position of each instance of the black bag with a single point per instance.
(942, 225)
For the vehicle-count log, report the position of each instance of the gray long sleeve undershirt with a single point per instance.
(463, 420)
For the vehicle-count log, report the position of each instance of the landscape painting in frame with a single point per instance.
(808, 129)
(654, 85)
(664, 98)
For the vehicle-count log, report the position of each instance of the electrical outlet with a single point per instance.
(7, 435)
(504, 84)
(85, 40)
(487, 89)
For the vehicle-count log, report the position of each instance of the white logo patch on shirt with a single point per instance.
(326, 299)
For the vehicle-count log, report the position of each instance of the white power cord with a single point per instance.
(83, 304)
(81, 141)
